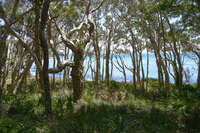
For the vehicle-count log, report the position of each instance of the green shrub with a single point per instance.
(20, 105)
(63, 105)
(8, 125)
(89, 84)
(116, 86)
(31, 86)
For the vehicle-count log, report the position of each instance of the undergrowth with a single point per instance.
(140, 112)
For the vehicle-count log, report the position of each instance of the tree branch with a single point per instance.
(60, 67)
(14, 33)
(80, 27)
(94, 9)
(67, 42)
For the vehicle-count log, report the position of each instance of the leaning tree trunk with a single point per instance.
(77, 75)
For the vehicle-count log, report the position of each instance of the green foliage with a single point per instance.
(20, 115)
(119, 124)
(63, 105)
(116, 86)
(190, 91)
(137, 113)
(20, 106)
(8, 125)
(80, 45)
(187, 9)
(166, 4)
(89, 91)
(32, 86)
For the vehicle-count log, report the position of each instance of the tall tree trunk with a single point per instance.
(177, 55)
(147, 76)
(141, 62)
(1, 91)
(138, 69)
(112, 66)
(134, 70)
(44, 45)
(3, 51)
(3, 38)
(165, 55)
(133, 58)
(64, 74)
(103, 67)
(54, 65)
(108, 60)
(38, 50)
(98, 63)
(77, 75)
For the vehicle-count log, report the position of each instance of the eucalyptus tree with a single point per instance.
(45, 67)
(140, 18)
(13, 28)
(97, 52)
(125, 13)
(120, 64)
(76, 40)
(5, 16)
(186, 15)
(108, 50)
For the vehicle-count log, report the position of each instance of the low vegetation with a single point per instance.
(123, 111)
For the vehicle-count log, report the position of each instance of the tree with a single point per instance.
(85, 29)
(3, 52)
(44, 45)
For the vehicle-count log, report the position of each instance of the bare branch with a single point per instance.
(14, 33)
(88, 8)
(80, 27)
(117, 68)
(60, 67)
(94, 9)
(67, 42)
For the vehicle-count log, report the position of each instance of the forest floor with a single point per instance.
(134, 112)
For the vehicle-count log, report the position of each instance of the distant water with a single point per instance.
(190, 66)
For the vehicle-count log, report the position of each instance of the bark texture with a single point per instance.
(77, 75)
(44, 45)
